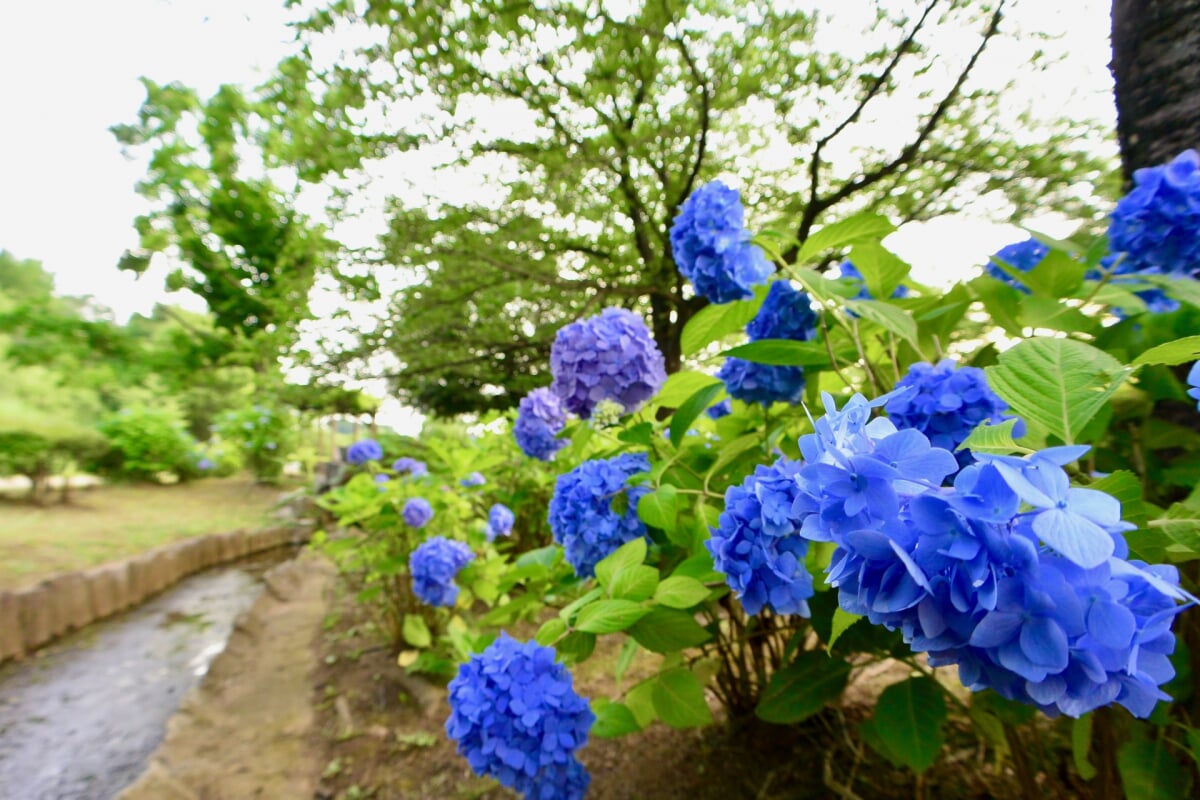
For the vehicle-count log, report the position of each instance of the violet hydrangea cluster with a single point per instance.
(786, 313)
(1021, 256)
(945, 402)
(610, 356)
(516, 717)
(417, 512)
(755, 543)
(434, 565)
(411, 466)
(1012, 575)
(500, 521)
(540, 418)
(711, 245)
(1157, 225)
(582, 516)
(363, 451)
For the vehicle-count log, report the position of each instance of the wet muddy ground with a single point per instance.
(79, 719)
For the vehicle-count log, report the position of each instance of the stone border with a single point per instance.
(33, 617)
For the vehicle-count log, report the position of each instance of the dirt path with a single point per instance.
(245, 731)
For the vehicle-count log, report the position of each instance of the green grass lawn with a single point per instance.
(109, 522)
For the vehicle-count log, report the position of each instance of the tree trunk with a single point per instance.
(1156, 69)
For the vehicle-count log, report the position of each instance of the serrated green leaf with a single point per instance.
(908, 723)
(613, 720)
(550, 631)
(640, 701)
(571, 609)
(1058, 384)
(682, 385)
(631, 553)
(700, 567)
(691, 408)
(1057, 275)
(1150, 772)
(680, 591)
(860, 227)
(715, 322)
(576, 646)
(660, 508)
(665, 630)
(609, 616)
(636, 582)
(416, 632)
(1179, 351)
(802, 688)
(679, 700)
(888, 317)
(842, 620)
(882, 270)
(788, 353)
(994, 439)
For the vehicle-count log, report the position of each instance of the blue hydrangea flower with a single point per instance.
(847, 270)
(610, 356)
(582, 516)
(1193, 379)
(515, 716)
(472, 480)
(946, 403)
(205, 464)
(755, 543)
(417, 512)
(434, 565)
(1157, 225)
(363, 451)
(786, 313)
(540, 418)
(1022, 256)
(761, 383)
(500, 521)
(721, 409)
(411, 466)
(711, 245)
(381, 481)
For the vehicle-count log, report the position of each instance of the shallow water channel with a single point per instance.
(79, 720)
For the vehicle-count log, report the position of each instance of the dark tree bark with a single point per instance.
(1156, 68)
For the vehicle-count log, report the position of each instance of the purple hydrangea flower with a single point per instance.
(755, 543)
(1193, 379)
(946, 403)
(721, 409)
(411, 466)
(205, 464)
(515, 716)
(847, 270)
(1157, 225)
(711, 245)
(500, 521)
(582, 516)
(540, 417)
(761, 383)
(417, 512)
(363, 451)
(473, 480)
(1022, 256)
(611, 356)
(434, 565)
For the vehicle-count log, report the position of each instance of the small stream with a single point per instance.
(79, 720)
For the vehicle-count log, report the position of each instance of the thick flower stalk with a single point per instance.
(786, 313)
(711, 245)
(540, 418)
(582, 516)
(434, 565)
(515, 716)
(610, 356)
(410, 466)
(417, 512)
(945, 402)
(500, 521)
(363, 451)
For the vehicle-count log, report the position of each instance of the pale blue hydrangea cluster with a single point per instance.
(610, 356)
(500, 521)
(434, 565)
(363, 451)
(786, 313)
(711, 245)
(540, 418)
(417, 512)
(582, 516)
(516, 717)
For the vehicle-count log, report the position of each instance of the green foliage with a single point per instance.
(264, 434)
(144, 443)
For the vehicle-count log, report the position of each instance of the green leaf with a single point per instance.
(1179, 351)
(666, 630)
(1081, 744)
(858, 228)
(842, 620)
(680, 591)
(660, 508)
(1002, 303)
(994, 439)
(631, 553)
(686, 414)
(416, 632)
(679, 700)
(788, 353)
(550, 631)
(576, 646)
(569, 611)
(887, 316)
(609, 616)
(1057, 384)
(1149, 771)
(700, 567)
(882, 270)
(1057, 275)
(682, 385)
(907, 726)
(613, 720)
(734, 450)
(715, 322)
(636, 582)
(802, 688)
(640, 701)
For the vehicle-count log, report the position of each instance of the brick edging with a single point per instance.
(35, 616)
